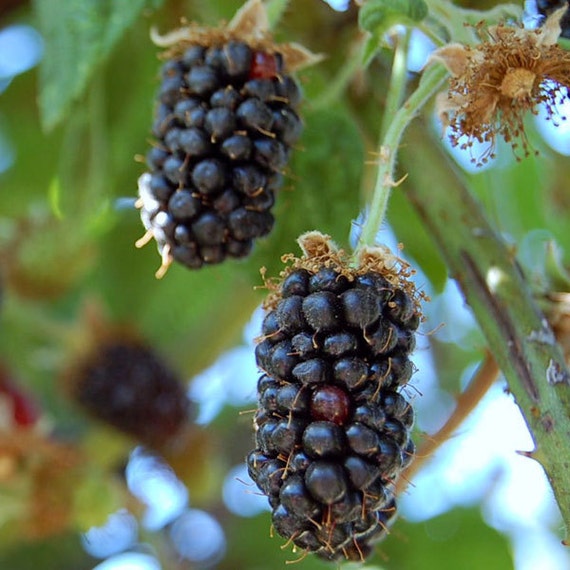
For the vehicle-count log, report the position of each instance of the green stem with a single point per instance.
(431, 80)
(398, 79)
(517, 333)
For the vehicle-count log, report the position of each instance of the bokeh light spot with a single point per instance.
(198, 537)
(241, 495)
(154, 483)
(119, 533)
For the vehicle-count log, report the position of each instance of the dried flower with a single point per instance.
(493, 84)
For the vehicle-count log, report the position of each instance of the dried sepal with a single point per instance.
(250, 24)
(453, 56)
(320, 251)
(298, 56)
(251, 20)
(316, 245)
(552, 26)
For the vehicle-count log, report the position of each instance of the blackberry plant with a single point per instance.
(226, 119)
(334, 413)
(333, 426)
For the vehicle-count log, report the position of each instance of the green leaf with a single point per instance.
(32, 170)
(79, 35)
(326, 169)
(323, 193)
(370, 49)
(456, 539)
(377, 16)
(514, 194)
(63, 551)
(255, 545)
(275, 11)
(96, 495)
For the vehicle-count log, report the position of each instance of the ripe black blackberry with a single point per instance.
(332, 428)
(122, 381)
(226, 119)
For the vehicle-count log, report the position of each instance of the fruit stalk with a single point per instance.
(431, 80)
(398, 78)
(495, 288)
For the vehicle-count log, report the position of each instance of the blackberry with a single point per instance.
(332, 417)
(123, 382)
(225, 121)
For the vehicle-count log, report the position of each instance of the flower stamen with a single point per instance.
(496, 82)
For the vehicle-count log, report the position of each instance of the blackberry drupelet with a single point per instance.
(225, 122)
(332, 428)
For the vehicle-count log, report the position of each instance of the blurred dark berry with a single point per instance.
(126, 384)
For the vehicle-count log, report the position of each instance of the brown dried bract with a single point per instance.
(320, 251)
(495, 83)
(250, 24)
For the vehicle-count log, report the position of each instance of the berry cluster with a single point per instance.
(332, 428)
(125, 384)
(225, 122)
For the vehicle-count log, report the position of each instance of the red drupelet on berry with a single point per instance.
(225, 122)
(332, 428)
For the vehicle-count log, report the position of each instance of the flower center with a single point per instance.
(517, 83)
